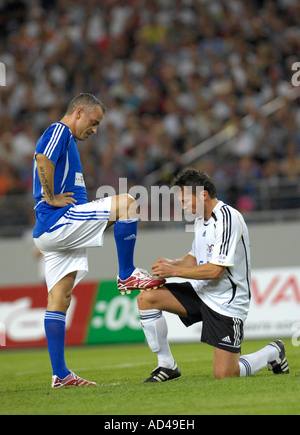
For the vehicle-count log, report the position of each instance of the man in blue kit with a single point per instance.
(67, 224)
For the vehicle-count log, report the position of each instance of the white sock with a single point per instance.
(253, 363)
(156, 331)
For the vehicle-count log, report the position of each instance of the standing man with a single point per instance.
(67, 224)
(217, 292)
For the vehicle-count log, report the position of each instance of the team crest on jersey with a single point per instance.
(210, 249)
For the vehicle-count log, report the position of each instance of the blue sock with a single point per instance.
(125, 236)
(55, 328)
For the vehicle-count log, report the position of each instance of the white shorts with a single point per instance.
(65, 246)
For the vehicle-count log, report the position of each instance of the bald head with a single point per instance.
(86, 102)
(84, 114)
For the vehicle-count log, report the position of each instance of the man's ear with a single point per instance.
(203, 194)
(79, 112)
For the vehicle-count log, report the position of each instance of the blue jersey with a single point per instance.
(58, 144)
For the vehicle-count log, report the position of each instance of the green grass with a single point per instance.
(120, 370)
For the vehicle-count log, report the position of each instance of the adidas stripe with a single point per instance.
(161, 377)
(85, 215)
(227, 223)
(54, 140)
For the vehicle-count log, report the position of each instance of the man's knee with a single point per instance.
(222, 373)
(147, 300)
(124, 206)
(226, 364)
(130, 206)
(59, 298)
(59, 301)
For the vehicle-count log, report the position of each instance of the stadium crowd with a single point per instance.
(171, 72)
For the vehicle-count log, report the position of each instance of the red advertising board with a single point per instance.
(22, 315)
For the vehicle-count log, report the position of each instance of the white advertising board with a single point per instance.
(274, 310)
(275, 304)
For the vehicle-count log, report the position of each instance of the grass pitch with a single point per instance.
(25, 378)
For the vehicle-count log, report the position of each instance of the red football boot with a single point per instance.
(139, 280)
(71, 380)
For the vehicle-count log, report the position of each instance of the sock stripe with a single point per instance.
(247, 366)
(151, 315)
(54, 315)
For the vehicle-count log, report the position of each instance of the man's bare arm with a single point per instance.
(187, 269)
(187, 261)
(46, 170)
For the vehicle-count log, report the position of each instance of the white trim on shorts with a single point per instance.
(65, 246)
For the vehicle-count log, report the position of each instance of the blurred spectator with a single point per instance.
(290, 165)
(243, 186)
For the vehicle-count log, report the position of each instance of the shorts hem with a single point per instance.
(81, 273)
(221, 346)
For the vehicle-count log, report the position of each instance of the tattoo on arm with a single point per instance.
(45, 185)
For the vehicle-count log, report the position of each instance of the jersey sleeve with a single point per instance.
(229, 230)
(54, 142)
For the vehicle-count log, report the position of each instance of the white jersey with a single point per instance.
(224, 240)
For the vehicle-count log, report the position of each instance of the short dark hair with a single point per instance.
(195, 178)
(84, 100)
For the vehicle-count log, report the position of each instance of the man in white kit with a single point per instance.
(67, 224)
(217, 291)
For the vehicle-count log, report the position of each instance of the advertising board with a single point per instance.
(114, 318)
(275, 304)
(100, 315)
(22, 312)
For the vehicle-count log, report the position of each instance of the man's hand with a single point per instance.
(164, 268)
(186, 267)
(61, 200)
(165, 261)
